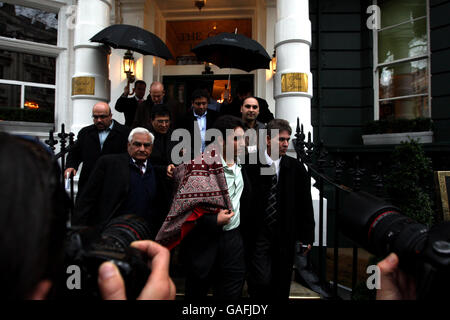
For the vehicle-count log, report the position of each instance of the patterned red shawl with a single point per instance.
(201, 188)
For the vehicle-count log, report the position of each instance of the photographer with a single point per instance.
(34, 209)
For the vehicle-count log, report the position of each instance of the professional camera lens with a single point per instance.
(120, 232)
(380, 228)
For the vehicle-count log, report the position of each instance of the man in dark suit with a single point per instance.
(156, 96)
(197, 120)
(105, 136)
(160, 128)
(124, 184)
(129, 105)
(287, 216)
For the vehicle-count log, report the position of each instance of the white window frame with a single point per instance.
(377, 66)
(58, 51)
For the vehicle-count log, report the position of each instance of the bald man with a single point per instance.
(105, 136)
(144, 110)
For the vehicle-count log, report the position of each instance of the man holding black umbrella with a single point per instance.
(129, 105)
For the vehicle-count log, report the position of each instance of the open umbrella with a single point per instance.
(123, 36)
(233, 50)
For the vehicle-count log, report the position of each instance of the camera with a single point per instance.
(379, 227)
(87, 249)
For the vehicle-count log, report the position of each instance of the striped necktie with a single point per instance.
(271, 209)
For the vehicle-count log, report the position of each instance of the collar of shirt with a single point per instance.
(137, 99)
(144, 165)
(234, 169)
(272, 162)
(199, 117)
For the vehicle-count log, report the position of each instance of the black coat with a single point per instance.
(87, 150)
(128, 106)
(296, 218)
(107, 189)
(189, 122)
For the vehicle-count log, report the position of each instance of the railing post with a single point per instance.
(338, 176)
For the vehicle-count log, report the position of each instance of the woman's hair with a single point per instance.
(33, 214)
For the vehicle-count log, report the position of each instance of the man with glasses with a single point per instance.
(123, 184)
(105, 136)
(197, 120)
(160, 127)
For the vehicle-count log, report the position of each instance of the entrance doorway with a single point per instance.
(180, 88)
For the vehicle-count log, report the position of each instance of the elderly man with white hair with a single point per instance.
(123, 184)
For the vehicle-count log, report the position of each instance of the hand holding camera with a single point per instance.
(159, 285)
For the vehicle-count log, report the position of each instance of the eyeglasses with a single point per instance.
(101, 116)
(140, 144)
(249, 106)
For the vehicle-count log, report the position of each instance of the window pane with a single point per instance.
(403, 79)
(404, 41)
(28, 24)
(394, 12)
(27, 67)
(39, 104)
(405, 108)
(42, 102)
(9, 97)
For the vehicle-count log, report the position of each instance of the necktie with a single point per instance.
(141, 167)
(271, 209)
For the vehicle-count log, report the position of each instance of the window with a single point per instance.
(27, 80)
(401, 57)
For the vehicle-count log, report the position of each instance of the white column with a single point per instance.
(292, 43)
(91, 60)
(291, 92)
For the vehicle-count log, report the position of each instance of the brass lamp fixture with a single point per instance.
(274, 61)
(129, 66)
(200, 4)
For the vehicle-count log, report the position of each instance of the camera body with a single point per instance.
(380, 228)
(87, 248)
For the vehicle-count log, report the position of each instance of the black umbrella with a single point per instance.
(233, 51)
(123, 36)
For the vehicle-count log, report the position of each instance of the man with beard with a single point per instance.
(105, 136)
(243, 91)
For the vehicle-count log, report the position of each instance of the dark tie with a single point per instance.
(140, 166)
(271, 209)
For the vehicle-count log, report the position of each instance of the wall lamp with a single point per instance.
(129, 66)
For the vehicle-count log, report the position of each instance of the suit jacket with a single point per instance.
(87, 150)
(189, 122)
(128, 106)
(199, 248)
(106, 191)
(295, 214)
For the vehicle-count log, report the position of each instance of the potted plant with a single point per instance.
(396, 131)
